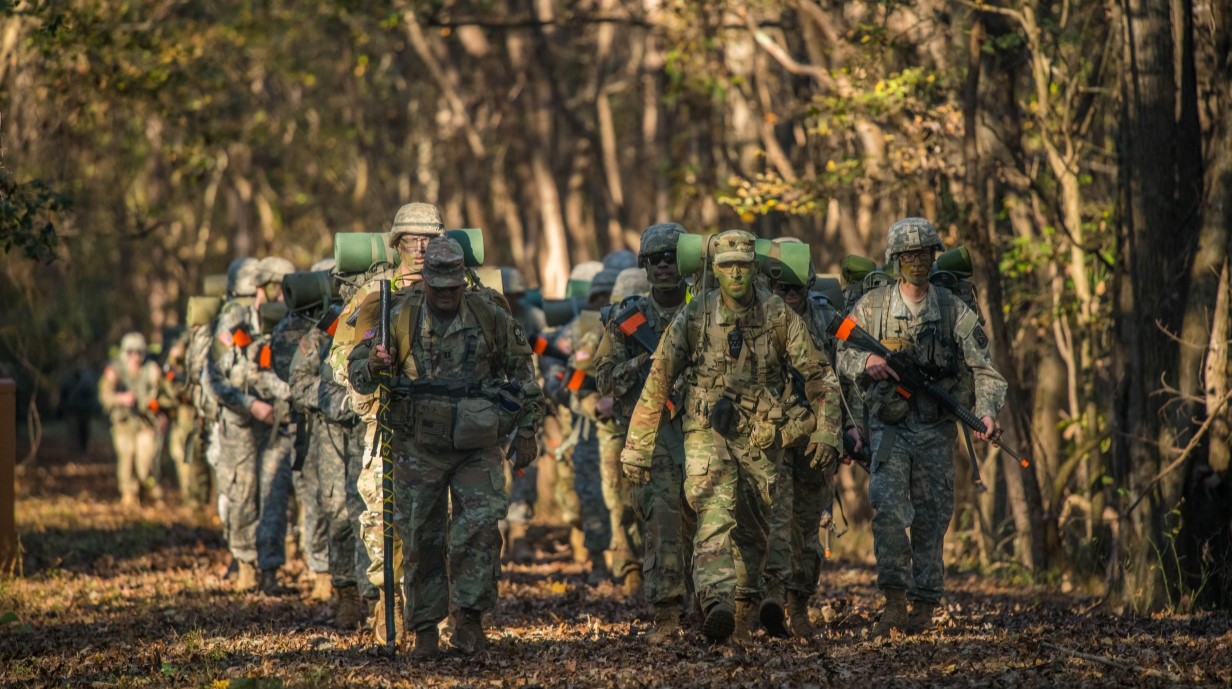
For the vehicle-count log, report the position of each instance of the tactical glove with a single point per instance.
(821, 456)
(629, 461)
(525, 449)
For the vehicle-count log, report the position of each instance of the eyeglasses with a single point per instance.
(784, 288)
(660, 258)
(410, 242)
(921, 256)
(733, 266)
(138, 352)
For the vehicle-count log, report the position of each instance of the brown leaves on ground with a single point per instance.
(111, 598)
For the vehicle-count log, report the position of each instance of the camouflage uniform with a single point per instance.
(253, 469)
(134, 428)
(455, 366)
(912, 473)
(667, 523)
(730, 482)
(337, 442)
(523, 485)
(192, 473)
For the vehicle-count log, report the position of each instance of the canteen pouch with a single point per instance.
(725, 418)
(476, 424)
(883, 401)
(434, 423)
(798, 425)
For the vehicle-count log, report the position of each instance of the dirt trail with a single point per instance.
(139, 599)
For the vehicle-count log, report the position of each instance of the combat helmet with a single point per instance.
(133, 342)
(512, 282)
(423, 219)
(244, 278)
(657, 239)
(273, 269)
(619, 260)
(911, 234)
(604, 281)
(630, 282)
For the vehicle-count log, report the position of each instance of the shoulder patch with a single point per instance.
(981, 337)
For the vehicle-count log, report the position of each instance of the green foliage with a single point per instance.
(26, 212)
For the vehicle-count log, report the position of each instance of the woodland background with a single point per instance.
(1082, 150)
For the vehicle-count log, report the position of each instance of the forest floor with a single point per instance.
(138, 598)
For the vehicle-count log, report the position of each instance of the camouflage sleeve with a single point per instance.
(851, 360)
(306, 368)
(990, 385)
(820, 384)
(616, 363)
(332, 398)
(669, 360)
(224, 354)
(107, 389)
(518, 364)
(362, 381)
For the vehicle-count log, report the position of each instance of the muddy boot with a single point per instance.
(921, 617)
(270, 585)
(742, 631)
(666, 623)
(468, 637)
(771, 615)
(577, 542)
(322, 587)
(633, 583)
(720, 622)
(349, 613)
(797, 610)
(894, 616)
(246, 577)
(378, 619)
(520, 549)
(427, 643)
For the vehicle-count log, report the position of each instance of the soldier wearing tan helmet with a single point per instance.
(129, 393)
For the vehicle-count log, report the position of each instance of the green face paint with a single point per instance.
(735, 279)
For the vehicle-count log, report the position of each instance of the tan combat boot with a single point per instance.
(740, 631)
(894, 616)
(633, 583)
(720, 622)
(666, 623)
(577, 542)
(246, 577)
(921, 617)
(468, 637)
(378, 619)
(427, 643)
(322, 587)
(771, 615)
(349, 613)
(797, 610)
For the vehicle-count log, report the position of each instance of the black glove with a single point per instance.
(524, 450)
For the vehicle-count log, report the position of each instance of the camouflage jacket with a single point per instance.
(623, 361)
(146, 385)
(313, 388)
(240, 368)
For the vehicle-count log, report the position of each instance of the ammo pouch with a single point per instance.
(476, 425)
(432, 423)
(882, 401)
(798, 424)
(725, 418)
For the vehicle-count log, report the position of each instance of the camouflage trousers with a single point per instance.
(254, 473)
(912, 487)
(454, 500)
(371, 529)
(667, 522)
(588, 483)
(311, 520)
(730, 485)
(340, 454)
(625, 549)
(136, 448)
(193, 477)
(801, 495)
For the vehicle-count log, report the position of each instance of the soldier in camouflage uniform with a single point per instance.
(254, 466)
(129, 392)
(621, 366)
(192, 473)
(734, 347)
(524, 485)
(911, 484)
(336, 457)
(414, 225)
(794, 562)
(470, 379)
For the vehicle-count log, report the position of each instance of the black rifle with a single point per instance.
(912, 380)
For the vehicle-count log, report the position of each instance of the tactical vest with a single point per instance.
(634, 314)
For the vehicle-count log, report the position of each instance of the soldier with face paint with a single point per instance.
(911, 485)
(734, 347)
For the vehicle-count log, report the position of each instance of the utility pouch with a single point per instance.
(476, 425)
(798, 425)
(433, 423)
(725, 418)
(883, 401)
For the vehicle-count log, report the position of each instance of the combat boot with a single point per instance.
(129, 501)
(468, 637)
(599, 572)
(921, 617)
(741, 630)
(348, 615)
(666, 623)
(427, 643)
(770, 613)
(269, 583)
(797, 610)
(378, 619)
(894, 616)
(322, 587)
(577, 543)
(720, 622)
(633, 583)
(246, 577)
